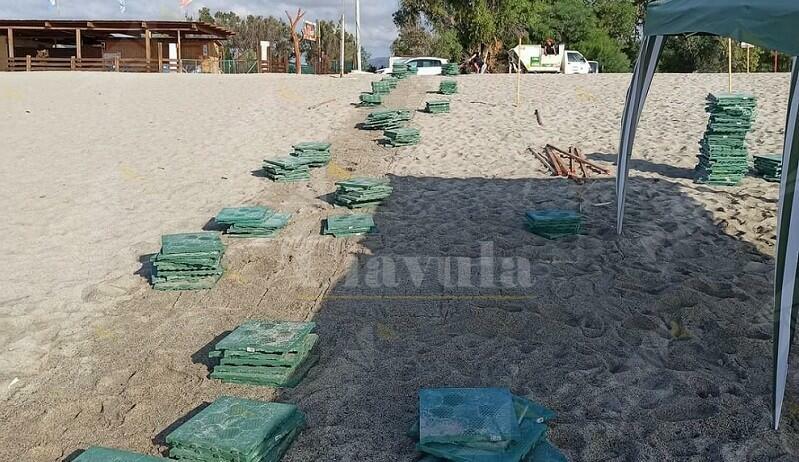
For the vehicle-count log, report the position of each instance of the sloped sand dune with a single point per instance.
(650, 346)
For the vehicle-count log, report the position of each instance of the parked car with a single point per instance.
(533, 59)
(425, 65)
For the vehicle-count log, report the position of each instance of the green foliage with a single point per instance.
(599, 46)
(709, 54)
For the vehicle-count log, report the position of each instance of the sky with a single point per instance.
(377, 26)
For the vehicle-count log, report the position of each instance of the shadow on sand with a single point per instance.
(650, 346)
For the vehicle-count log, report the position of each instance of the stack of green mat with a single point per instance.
(313, 153)
(392, 81)
(287, 169)
(413, 69)
(448, 87)
(450, 69)
(252, 221)
(349, 225)
(437, 107)
(371, 99)
(97, 454)
(397, 137)
(485, 424)
(266, 353)
(237, 430)
(362, 192)
(387, 119)
(724, 159)
(381, 88)
(188, 261)
(769, 167)
(399, 70)
(553, 224)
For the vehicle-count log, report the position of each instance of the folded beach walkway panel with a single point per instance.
(724, 159)
(448, 87)
(386, 119)
(362, 192)
(314, 153)
(252, 221)
(482, 424)
(188, 261)
(98, 454)
(349, 225)
(553, 224)
(770, 25)
(237, 430)
(266, 353)
(769, 167)
(398, 137)
(287, 169)
(437, 107)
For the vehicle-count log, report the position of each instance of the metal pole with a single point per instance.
(748, 60)
(358, 33)
(341, 68)
(519, 73)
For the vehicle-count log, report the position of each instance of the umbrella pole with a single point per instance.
(519, 72)
(729, 62)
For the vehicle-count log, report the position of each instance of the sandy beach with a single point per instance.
(654, 345)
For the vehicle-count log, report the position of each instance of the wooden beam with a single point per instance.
(160, 47)
(147, 51)
(90, 24)
(78, 45)
(180, 56)
(10, 43)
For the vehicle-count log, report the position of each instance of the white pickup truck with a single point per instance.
(533, 59)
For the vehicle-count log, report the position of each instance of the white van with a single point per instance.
(533, 59)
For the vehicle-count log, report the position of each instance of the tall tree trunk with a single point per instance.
(296, 39)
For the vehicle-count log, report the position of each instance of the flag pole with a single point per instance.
(729, 62)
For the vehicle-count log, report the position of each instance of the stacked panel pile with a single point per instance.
(724, 159)
(769, 167)
(387, 119)
(362, 192)
(450, 69)
(237, 430)
(381, 88)
(313, 153)
(371, 99)
(392, 81)
(437, 107)
(287, 169)
(399, 70)
(266, 353)
(349, 225)
(553, 224)
(482, 424)
(413, 69)
(398, 137)
(188, 261)
(448, 87)
(98, 454)
(252, 221)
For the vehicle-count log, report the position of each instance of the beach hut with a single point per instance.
(769, 24)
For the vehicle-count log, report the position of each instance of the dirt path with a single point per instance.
(143, 368)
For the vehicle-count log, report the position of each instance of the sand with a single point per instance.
(651, 346)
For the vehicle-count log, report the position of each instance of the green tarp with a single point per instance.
(770, 24)
(236, 430)
(97, 454)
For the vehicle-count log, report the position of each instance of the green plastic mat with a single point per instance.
(437, 107)
(467, 416)
(402, 137)
(450, 69)
(244, 358)
(448, 87)
(386, 119)
(371, 99)
(235, 430)
(287, 169)
(349, 225)
(362, 192)
(191, 242)
(288, 378)
(266, 337)
(98, 454)
(232, 215)
(392, 81)
(381, 88)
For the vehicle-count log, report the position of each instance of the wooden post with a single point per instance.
(729, 62)
(78, 45)
(160, 47)
(28, 63)
(318, 46)
(10, 43)
(519, 74)
(72, 63)
(776, 60)
(116, 63)
(147, 50)
(748, 60)
(180, 56)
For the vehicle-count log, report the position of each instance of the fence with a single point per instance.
(116, 64)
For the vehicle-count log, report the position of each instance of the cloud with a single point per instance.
(377, 26)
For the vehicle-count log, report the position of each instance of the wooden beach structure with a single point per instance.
(121, 46)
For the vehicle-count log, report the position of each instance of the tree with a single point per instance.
(296, 38)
